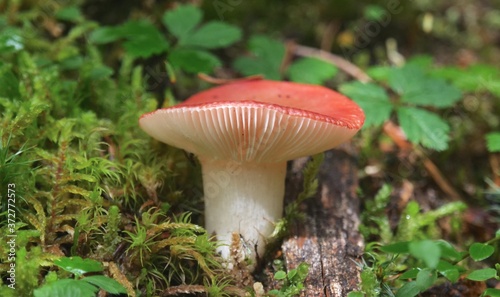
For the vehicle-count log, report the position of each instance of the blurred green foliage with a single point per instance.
(415, 89)
(192, 40)
(413, 258)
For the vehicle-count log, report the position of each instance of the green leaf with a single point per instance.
(372, 99)
(475, 78)
(65, 288)
(214, 34)
(71, 14)
(417, 88)
(480, 251)
(303, 269)
(143, 39)
(432, 92)
(426, 278)
(448, 251)
(396, 248)
(182, 20)
(311, 70)
(403, 78)
(374, 12)
(78, 266)
(9, 84)
(409, 289)
(422, 61)
(410, 274)
(11, 40)
(291, 274)
(423, 127)
(280, 275)
(448, 270)
(493, 142)
(193, 61)
(427, 251)
(74, 62)
(493, 86)
(380, 73)
(99, 72)
(491, 292)
(105, 35)
(482, 274)
(107, 284)
(369, 280)
(355, 294)
(267, 55)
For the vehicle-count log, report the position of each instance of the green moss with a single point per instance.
(89, 181)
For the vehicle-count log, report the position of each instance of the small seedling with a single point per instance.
(292, 281)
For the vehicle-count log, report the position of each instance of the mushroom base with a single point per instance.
(242, 201)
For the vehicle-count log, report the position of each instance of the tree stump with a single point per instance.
(328, 240)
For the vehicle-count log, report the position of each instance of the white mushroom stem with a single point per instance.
(243, 198)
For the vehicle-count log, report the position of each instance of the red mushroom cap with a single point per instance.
(257, 120)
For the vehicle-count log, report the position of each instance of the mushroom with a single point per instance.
(243, 134)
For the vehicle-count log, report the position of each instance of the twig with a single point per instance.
(220, 81)
(439, 178)
(397, 135)
(390, 128)
(346, 66)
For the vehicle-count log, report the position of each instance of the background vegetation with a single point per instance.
(101, 207)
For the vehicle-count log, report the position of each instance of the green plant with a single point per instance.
(71, 144)
(493, 142)
(413, 223)
(440, 259)
(408, 261)
(140, 242)
(477, 78)
(28, 263)
(266, 58)
(13, 171)
(292, 281)
(411, 93)
(191, 40)
(81, 285)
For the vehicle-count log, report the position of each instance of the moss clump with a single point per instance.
(89, 182)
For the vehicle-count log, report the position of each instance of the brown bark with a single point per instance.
(328, 240)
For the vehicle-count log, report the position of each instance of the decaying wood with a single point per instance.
(328, 240)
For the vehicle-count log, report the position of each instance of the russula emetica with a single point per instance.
(243, 134)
